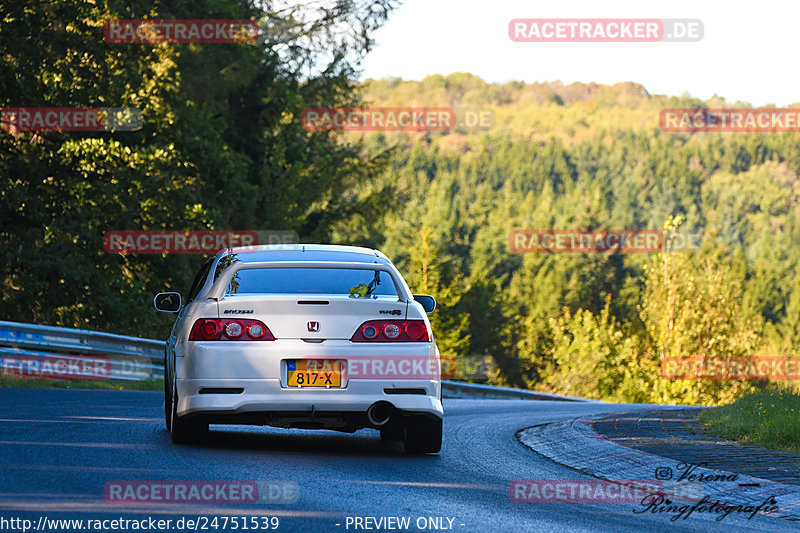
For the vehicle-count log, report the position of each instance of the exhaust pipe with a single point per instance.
(379, 413)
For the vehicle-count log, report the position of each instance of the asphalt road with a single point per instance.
(59, 449)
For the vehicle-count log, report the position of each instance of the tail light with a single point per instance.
(217, 329)
(392, 331)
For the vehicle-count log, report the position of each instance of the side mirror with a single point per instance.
(428, 302)
(167, 302)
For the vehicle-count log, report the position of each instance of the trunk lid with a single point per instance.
(297, 316)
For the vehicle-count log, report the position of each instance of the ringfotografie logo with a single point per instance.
(661, 504)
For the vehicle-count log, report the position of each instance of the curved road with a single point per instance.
(59, 448)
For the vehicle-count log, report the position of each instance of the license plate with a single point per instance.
(324, 373)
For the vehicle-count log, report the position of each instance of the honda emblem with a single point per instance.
(313, 326)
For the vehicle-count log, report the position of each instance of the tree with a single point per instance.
(693, 309)
(450, 326)
(591, 356)
(221, 147)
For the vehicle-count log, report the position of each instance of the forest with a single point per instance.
(223, 147)
(586, 156)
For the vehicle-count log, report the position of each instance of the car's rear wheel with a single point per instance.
(181, 430)
(423, 435)
(167, 395)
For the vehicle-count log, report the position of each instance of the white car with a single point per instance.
(303, 336)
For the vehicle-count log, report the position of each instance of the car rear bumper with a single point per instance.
(240, 396)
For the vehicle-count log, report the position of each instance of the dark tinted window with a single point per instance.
(335, 281)
(199, 280)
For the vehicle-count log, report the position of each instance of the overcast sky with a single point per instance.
(748, 53)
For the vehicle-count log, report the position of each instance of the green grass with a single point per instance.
(769, 419)
(147, 384)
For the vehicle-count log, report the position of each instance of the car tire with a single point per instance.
(423, 435)
(167, 404)
(181, 430)
(167, 396)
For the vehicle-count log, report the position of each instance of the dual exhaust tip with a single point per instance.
(379, 413)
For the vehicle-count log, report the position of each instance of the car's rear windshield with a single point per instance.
(332, 281)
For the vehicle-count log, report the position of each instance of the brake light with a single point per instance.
(416, 330)
(216, 329)
(208, 330)
(392, 331)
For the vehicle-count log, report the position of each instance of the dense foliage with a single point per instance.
(222, 148)
(587, 157)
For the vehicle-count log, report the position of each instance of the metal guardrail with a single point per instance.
(32, 350)
(458, 389)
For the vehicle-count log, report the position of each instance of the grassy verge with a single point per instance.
(146, 384)
(769, 419)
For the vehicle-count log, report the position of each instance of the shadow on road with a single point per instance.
(319, 442)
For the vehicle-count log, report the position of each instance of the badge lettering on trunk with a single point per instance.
(313, 326)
